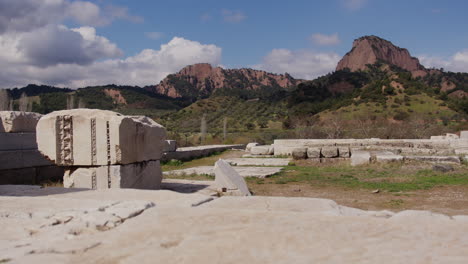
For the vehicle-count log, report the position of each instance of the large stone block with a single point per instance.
(16, 121)
(250, 145)
(142, 175)
(227, 178)
(299, 153)
(313, 153)
(261, 150)
(88, 137)
(15, 159)
(359, 157)
(330, 152)
(18, 141)
(344, 152)
(464, 134)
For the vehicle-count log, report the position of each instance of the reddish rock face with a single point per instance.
(204, 79)
(370, 49)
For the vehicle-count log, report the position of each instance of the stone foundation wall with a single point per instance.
(20, 160)
(399, 146)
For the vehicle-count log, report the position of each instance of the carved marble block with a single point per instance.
(142, 175)
(89, 137)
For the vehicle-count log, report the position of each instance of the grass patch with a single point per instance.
(392, 177)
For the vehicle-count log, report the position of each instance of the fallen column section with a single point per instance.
(102, 149)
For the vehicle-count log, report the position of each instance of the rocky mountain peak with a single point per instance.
(370, 49)
(202, 79)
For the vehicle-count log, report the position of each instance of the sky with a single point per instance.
(68, 43)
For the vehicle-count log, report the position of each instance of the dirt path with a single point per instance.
(450, 200)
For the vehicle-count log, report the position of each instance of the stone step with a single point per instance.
(15, 159)
(17, 141)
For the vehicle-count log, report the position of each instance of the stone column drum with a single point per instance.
(103, 149)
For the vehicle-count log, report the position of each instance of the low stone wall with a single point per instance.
(399, 146)
(189, 153)
(20, 160)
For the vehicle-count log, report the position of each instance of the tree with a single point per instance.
(70, 102)
(4, 100)
(24, 104)
(225, 128)
(203, 129)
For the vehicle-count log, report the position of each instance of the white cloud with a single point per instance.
(53, 45)
(354, 5)
(27, 15)
(232, 16)
(154, 35)
(300, 64)
(146, 68)
(325, 40)
(456, 63)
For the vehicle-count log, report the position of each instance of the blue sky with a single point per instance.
(304, 38)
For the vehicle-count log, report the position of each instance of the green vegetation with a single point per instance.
(391, 177)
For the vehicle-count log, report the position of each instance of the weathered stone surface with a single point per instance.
(260, 150)
(88, 137)
(16, 121)
(227, 178)
(313, 153)
(299, 153)
(143, 175)
(258, 161)
(407, 146)
(464, 134)
(258, 172)
(359, 157)
(18, 141)
(344, 152)
(15, 159)
(451, 136)
(330, 152)
(188, 153)
(437, 137)
(388, 157)
(250, 145)
(170, 145)
(435, 159)
(92, 226)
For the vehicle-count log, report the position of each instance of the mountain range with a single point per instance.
(375, 83)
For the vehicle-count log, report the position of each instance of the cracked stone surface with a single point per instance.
(141, 226)
(258, 162)
(258, 172)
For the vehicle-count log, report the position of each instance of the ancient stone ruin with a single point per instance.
(449, 148)
(103, 149)
(21, 162)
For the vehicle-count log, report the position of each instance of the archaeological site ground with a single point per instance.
(365, 164)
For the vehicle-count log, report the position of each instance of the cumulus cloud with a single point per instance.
(456, 63)
(27, 15)
(53, 45)
(232, 16)
(354, 5)
(146, 68)
(300, 64)
(325, 40)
